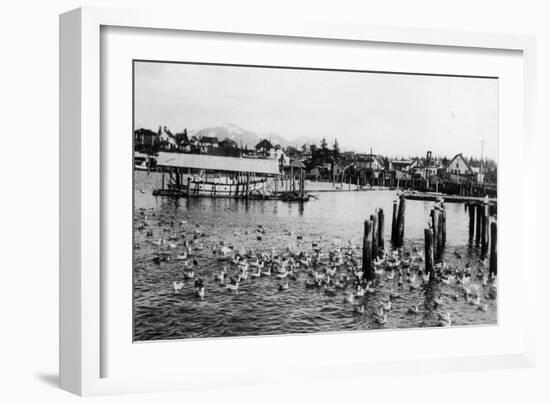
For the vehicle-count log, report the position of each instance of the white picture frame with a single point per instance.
(82, 168)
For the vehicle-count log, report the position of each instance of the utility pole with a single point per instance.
(481, 165)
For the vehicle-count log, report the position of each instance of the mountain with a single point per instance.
(241, 136)
(245, 137)
(300, 141)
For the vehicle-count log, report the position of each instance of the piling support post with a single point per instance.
(301, 184)
(428, 251)
(374, 220)
(471, 227)
(479, 216)
(493, 250)
(440, 231)
(443, 225)
(394, 223)
(368, 272)
(435, 228)
(485, 229)
(380, 231)
(247, 185)
(401, 221)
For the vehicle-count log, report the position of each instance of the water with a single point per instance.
(259, 308)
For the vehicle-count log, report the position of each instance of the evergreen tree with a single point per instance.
(336, 150)
(324, 145)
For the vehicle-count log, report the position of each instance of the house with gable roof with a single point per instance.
(264, 148)
(459, 166)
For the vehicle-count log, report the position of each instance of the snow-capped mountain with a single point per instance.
(248, 138)
(241, 136)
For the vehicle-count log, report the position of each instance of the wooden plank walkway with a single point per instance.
(448, 198)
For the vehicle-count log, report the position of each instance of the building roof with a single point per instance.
(296, 163)
(402, 162)
(371, 158)
(218, 163)
(208, 139)
(145, 132)
(166, 131)
(463, 159)
(227, 142)
(140, 155)
(264, 144)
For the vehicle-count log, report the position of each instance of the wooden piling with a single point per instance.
(493, 252)
(443, 226)
(439, 239)
(479, 215)
(429, 251)
(368, 270)
(471, 228)
(401, 221)
(434, 216)
(374, 219)
(247, 185)
(302, 183)
(380, 231)
(394, 223)
(485, 229)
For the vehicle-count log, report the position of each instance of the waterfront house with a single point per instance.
(292, 152)
(459, 166)
(369, 161)
(182, 139)
(145, 137)
(263, 148)
(480, 173)
(206, 142)
(403, 165)
(278, 154)
(228, 143)
(314, 173)
(167, 139)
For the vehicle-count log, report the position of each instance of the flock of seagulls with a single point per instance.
(332, 268)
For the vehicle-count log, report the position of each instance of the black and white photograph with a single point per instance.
(273, 200)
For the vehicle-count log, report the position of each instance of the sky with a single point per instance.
(394, 114)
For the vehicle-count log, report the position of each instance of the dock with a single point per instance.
(423, 196)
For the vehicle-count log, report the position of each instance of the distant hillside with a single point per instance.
(241, 136)
(245, 137)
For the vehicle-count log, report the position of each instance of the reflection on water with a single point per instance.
(259, 307)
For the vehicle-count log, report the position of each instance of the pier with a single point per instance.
(427, 196)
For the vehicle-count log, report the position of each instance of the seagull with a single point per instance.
(178, 285)
(413, 310)
(445, 319)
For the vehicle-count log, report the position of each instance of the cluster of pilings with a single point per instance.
(398, 222)
(373, 243)
(435, 236)
(482, 231)
(291, 184)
